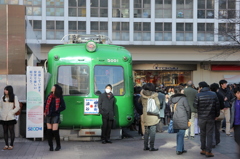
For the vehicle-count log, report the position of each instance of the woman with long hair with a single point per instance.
(53, 106)
(180, 115)
(9, 105)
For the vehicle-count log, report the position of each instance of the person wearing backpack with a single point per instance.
(150, 121)
(9, 105)
(181, 114)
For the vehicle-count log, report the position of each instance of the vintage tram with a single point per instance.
(83, 68)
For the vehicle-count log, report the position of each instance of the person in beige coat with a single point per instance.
(9, 105)
(150, 121)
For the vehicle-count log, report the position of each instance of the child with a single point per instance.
(235, 116)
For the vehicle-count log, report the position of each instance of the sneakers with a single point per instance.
(153, 149)
(209, 154)
(5, 147)
(10, 147)
(192, 137)
(185, 137)
(229, 135)
(203, 152)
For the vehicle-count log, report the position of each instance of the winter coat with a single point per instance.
(162, 100)
(207, 104)
(182, 114)
(6, 109)
(149, 120)
(232, 115)
(190, 94)
(106, 106)
(226, 93)
(52, 106)
(138, 106)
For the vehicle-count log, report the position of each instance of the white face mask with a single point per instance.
(107, 90)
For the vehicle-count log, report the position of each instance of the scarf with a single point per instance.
(57, 100)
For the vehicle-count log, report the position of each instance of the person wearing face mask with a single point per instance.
(106, 106)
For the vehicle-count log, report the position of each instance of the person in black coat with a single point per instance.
(216, 132)
(106, 105)
(54, 104)
(207, 104)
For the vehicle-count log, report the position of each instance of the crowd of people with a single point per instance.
(206, 110)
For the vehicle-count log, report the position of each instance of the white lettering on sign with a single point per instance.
(112, 60)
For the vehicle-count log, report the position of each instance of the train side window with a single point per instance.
(113, 75)
(74, 79)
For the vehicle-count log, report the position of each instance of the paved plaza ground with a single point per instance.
(127, 148)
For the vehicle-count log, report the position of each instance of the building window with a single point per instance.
(8, 1)
(33, 7)
(120, 31)
(163, 9)
(142, 8)
(77, 8)
(205, 32)
(120, 8)
(99, 28)
(226, 32)
(55, 8)
(184, 32)
(184, 8)
(142, 31)
(55, 30)
(163, 31)
(37, 28)
(227, 9)
(205, 9)
(77, 27)
(99, 8)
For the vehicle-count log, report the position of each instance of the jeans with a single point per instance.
(206, 135)
(180, 140)
(216, 133)
(150, 131)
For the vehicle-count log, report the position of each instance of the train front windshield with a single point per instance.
(74, 79)
(113, 75)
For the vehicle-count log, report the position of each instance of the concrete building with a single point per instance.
(167, 38)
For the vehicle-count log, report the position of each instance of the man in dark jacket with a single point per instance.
(216, 132)
(207, 105)
(106, 105)
(190, 93)
(227, 95)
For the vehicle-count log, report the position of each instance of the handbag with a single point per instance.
(152, 108)
(20, 108)
(221, 116)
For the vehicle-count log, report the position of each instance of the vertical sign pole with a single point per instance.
(35, 102)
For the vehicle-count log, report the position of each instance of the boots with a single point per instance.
(50, 137)
(57, 138)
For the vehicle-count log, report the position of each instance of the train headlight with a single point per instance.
(91, 46)
(125, 58)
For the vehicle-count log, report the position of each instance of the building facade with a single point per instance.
(169, 39)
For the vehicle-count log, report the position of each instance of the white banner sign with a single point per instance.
(91, 106)
(35, 102)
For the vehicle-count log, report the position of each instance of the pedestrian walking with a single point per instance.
(207, 105)
(9, 105)
(227, 95)
(235, 117)
(150, 121)
(180, 116)
(190, 93)
(106, 105)
(54, 104)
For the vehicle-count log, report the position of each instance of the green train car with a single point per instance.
(83, 68)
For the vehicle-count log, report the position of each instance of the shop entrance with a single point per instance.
(162, 77)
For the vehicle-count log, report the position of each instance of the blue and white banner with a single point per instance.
(35, 102)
